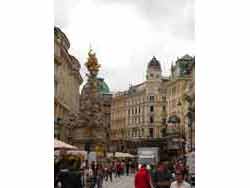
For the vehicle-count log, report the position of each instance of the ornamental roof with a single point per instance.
(102, 86)
(187, 57)
(154, 64)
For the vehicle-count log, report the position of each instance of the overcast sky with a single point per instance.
(126, 34)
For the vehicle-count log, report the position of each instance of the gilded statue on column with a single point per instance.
(92, 63)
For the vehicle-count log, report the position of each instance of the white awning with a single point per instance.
(146, 156)
(62, 145)
(121, 155)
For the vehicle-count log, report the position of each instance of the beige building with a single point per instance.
(118, 120)
(147, 110)
(67, 80)
(189, 108)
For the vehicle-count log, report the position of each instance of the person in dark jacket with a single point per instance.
(70, 179)
(162, 177)
(127, 167)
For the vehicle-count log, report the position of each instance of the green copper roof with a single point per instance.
(102, 86)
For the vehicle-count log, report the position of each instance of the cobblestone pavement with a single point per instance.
(122, 182)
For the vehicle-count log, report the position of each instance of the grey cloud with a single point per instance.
(176, 16)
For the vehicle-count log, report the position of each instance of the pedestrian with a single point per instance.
(127, 167)
(186, 173)
(91, 178)
(109, 172)
(152, 171)
(162, 176)
(122, 168)
(99, 176)
(115, 169)
(142, 178)
(106, 173)
(83, 178)
(70, 177)
(179, 182)
(118, 169)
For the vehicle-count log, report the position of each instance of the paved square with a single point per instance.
(122, 182)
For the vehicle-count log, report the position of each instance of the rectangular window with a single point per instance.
(163, 98)
(151, 98)
(163, 121)
(151, 120)
(151, 132)
(164, 108)
(151, 108)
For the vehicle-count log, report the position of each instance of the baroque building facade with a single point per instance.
(148, 112)
(67, 80)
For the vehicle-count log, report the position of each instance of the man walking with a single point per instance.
(162, 176)
(82, 170)
(180, 182)
(127, 167)
(109, 172)
(142, 178)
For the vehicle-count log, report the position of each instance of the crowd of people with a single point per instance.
(74, 173)
(71, 172)
(162, 175)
